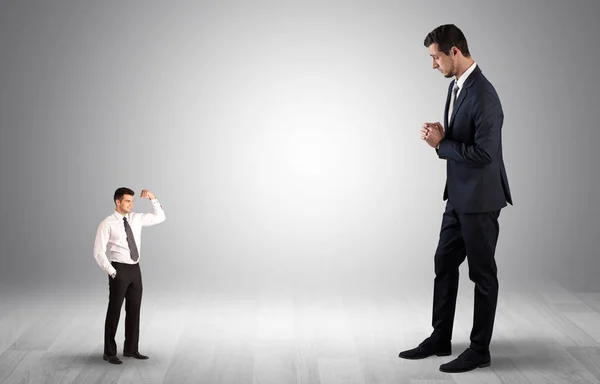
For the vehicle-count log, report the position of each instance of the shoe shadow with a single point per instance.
(524, 354)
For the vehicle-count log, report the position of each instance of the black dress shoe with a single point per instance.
(428, 347)
(467, 361)
(111, 359)
(136, 355)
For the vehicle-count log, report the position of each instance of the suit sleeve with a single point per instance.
(488, 123)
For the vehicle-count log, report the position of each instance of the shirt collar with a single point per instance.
(460, 82)
(118, 216)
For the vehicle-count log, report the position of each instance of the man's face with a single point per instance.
(125, 204)
(441, 61)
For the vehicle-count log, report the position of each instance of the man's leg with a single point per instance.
(132, 309)
(481, 236)
(117, 289)
(450, 254)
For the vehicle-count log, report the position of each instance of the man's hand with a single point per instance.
(425, 128)
(432, 133)
(147, 194)
(439, 127)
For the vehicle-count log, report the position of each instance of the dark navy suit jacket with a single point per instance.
(476, 179)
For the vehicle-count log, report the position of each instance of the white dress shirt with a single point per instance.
(111, 240)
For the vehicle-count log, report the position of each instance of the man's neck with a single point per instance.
(467, 64)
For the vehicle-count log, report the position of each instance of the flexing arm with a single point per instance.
(157, 216)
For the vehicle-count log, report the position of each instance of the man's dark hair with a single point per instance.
(447, 36)
(120, 192)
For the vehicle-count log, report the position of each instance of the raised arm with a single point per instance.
(158, 214)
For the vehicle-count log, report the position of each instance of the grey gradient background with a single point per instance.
(282, 139)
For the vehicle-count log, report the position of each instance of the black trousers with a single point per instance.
(127, 284)
(474, 236)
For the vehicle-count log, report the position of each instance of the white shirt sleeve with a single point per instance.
(100, 243)
(157, 216)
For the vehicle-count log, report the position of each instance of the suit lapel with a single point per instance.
(447, 104)
(463, 93)
(458, 102)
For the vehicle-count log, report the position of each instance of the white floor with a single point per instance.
(542, 335)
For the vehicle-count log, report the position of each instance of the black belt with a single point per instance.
(126, 265)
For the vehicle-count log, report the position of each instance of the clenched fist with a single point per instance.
(147, 194)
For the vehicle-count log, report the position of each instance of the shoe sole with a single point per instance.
(484, 365)
(116, 363)
(424, 357)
